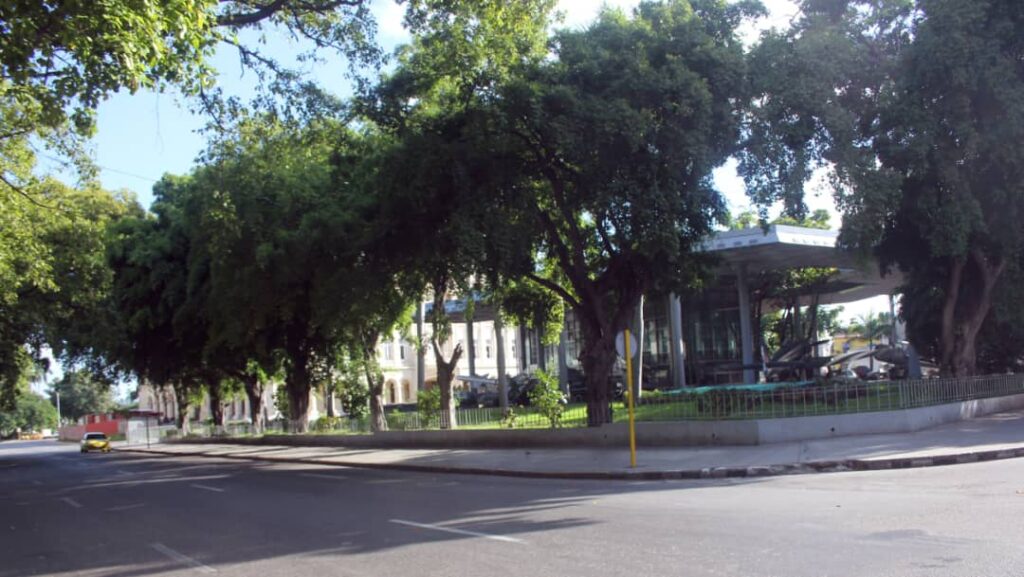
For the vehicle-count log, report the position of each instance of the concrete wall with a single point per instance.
(668, 434)
(905, 421)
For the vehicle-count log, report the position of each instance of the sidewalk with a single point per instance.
(993, 437)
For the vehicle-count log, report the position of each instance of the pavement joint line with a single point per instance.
(125, 507)
(182, 559)
(825, 466)
(207, 487)
(457, 531)
(71, 502)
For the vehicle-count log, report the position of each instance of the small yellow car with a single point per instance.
(95, 442)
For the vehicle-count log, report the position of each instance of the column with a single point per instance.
(675, 324)
(421, 349)
(638, 363)
(521, 347)
(563, 359)
(893, 333)
(470, 347)
(499, 342)
(746, 331)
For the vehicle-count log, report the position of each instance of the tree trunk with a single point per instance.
(968, 301)
(254, 392)
(216, 407)
(375, 385)
(374, 379)
(329, 399)
(181, 396)
(445, 376)
(378, 418)
(597, 357)
(298, 388)
(947, 338)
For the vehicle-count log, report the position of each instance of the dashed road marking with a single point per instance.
(183, 559)
(208, 488)
(458, 531)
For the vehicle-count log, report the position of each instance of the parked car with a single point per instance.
(95, 442)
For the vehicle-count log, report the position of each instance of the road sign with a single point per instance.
(620, 345)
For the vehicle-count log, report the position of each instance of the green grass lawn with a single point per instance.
(676, 408)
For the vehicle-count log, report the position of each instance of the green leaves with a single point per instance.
(911, 112)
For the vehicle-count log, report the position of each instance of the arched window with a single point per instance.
(406, 396)
(391, 392)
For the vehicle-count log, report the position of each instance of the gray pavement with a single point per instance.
(993, 437)
(127, 514)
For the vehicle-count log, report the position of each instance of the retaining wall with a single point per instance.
(665, 434)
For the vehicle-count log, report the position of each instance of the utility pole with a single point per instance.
(58, 410)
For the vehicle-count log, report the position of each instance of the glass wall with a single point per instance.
(657, 354)
(711, 331)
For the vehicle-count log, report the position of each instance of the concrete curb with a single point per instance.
(836, 466)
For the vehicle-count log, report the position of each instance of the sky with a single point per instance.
(144, 135)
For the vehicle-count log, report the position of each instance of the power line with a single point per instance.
(101, 167)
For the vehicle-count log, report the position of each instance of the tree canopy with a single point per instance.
(616, 136)
(911, 112)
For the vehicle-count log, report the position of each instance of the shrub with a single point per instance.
(508, 419)
(547, 398)
(655, 396)
(428, 405)
(325, 424)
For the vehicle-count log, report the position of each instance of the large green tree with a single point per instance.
(30, 413)
(162, 330)
(617, 134)
(274, 231)
(431, 174)
(81, 393)
(911, 112)
(54, 281)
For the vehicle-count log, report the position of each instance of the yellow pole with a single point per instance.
(629, 396)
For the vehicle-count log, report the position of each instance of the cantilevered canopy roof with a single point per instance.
(783, 247)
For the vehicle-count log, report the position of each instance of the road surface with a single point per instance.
(63, 513)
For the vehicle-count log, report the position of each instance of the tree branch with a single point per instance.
(263, 12)
(555, 288)
(24, 193)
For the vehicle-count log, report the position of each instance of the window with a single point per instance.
(487, 349)
(401, 351)
(386, 351)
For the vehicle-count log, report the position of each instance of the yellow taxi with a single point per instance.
(95, 442)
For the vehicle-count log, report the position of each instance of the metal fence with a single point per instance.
(767, 401)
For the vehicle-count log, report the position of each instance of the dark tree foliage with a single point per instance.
(912, 111)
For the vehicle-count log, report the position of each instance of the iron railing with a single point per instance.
(765, 401)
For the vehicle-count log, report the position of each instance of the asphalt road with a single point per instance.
(62, 513)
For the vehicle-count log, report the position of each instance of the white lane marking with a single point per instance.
(36, 483)
(126, 507)
(322, 476)
(183, 559)
(208, 488)
(71, 502)
(458, 531)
